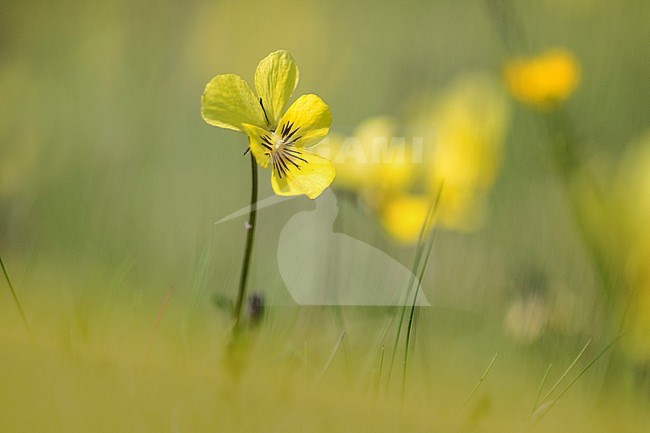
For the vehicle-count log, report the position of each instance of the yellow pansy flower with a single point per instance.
(545, 80)
(276, 137)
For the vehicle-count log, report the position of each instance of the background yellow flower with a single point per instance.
(470, 120)
(545, 80)
(451, 146)
(632, 194)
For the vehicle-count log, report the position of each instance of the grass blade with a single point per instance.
(332, 355)
(15, 296)
(478, 384)
(549, 405)
(566, 372)
(161, 311)
(541, 387)
(410, 324)
(422, 242)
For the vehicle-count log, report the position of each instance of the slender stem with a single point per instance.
(412, 279)
(410, 326)
(566, 372)
(478, 384)
(250, 235)
(541, 388)
(13, 294)
(542, 411)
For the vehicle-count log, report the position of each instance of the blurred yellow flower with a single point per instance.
(403, 216)
(617, 216)
(633, 193)
(633, 190)
(275, 137)
(545, 80)
(374, 160)
(451, 147)
(469, 121)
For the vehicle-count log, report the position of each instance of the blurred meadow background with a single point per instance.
(111, 184)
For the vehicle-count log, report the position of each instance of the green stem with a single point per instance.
(250, 235)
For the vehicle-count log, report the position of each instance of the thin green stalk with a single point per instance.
(551, 404)
(541, 388)
(13, 294)
(377, 384)
(332, 355)
(567, 371)
(381, 367)
(412, 278)
(583, 371)
(409, 326)
(161, 311)
(337, 309)
(423, 241)
(250, 236)
(478, 384)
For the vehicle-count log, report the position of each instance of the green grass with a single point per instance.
(142, 371)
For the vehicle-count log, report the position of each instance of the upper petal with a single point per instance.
(276, 78)
(229, 102)
(303, 173)
(306, 122)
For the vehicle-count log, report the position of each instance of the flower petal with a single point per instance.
(306, 122)
(310, 174)
(276, 78)
(259, 143)
(229, 102)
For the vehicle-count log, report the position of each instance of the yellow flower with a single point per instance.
(404, 215)
(469, 123)
(545, 80)
(450, 149)
(372, 159)
(276, 137)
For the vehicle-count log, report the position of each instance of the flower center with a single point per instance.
(280, 146)
(277, 141)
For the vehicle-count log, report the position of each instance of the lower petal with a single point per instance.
(305, 173)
